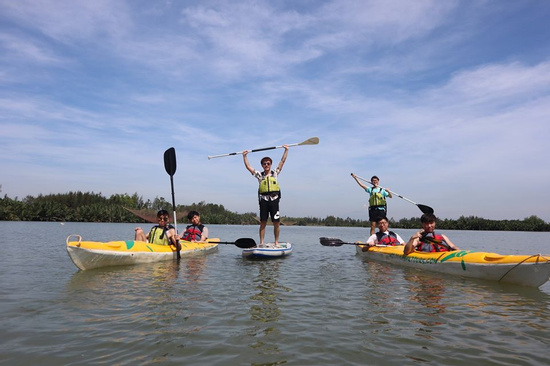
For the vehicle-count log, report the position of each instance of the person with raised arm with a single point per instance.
(269, 192)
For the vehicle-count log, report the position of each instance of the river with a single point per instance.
(319, 306)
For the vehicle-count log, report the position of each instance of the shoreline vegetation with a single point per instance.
(123, 208)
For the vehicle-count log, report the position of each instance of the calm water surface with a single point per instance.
(320, 306)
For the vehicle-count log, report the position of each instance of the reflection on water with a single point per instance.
(428, 291)
(320, 306)
(160, 302)
(264, 310)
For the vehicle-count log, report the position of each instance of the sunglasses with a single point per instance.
(266, 163)
(162, 218)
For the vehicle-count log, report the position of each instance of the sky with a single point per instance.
(447, 102)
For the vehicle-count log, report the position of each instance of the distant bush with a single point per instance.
(93, 207)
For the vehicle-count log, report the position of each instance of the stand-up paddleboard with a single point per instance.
(269, 250)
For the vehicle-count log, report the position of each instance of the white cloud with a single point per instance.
(399, 89)
(70, 21)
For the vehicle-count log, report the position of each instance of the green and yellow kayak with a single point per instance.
(524, 270)
(92, 254)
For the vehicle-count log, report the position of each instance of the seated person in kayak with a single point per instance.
(384, 236)
(196, 231)
(162, 234)
(426, 240)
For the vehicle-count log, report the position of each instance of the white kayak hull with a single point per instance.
(267, 251)
(89, 255)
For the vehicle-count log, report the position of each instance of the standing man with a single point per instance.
(377, 200)
(269, 192)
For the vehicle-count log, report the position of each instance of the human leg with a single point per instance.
(264, 214)
(140, 235)
(372, 219)
(276, 231)
(372, 227)
(263, 224)
(376, 213)
(275, 218)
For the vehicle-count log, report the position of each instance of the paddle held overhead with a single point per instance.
(423, 208)
(310, 141)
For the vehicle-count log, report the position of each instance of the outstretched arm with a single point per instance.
(450, 243)
(246, 163)
(283, 159)
(358, 182)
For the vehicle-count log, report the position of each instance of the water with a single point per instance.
(320, 306)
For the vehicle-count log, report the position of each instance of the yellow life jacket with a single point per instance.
(376, 198)
(269, 185)
(159, 236)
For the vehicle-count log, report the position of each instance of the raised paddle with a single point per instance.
(170, 166)
(425, 209)
(310, 141)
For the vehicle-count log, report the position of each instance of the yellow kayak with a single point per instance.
(92, 254)
(525, 270)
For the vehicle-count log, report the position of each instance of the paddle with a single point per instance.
(423, 208)
(335, 242)
(310, 141)
(240, 243)
(170, 166)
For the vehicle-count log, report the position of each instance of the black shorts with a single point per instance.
(376, 213)
(269, 208)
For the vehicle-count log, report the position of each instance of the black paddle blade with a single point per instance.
(245, 243)
(425, 209)
(170, 161)
(331, 242)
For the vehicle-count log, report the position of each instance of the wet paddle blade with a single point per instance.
(170, 161)
(331, 242)
(245, 243)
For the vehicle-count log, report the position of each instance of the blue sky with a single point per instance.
(447, 102)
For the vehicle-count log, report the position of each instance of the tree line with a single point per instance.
(94, 207)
